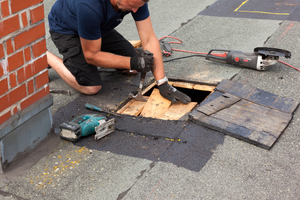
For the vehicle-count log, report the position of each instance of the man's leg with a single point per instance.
(73, 68)
(57, 64)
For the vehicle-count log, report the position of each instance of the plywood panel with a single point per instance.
(126, 106)
(178, 110)
(135, 108)
(156, 105)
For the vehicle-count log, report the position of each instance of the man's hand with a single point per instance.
(171, 93)
(142, 62)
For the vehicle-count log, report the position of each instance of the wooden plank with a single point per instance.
(148, 88)
(259, 117)
(183, 85)
(235, 88)
(255, 117)
(194, 86)
(274, 101)
(135, 108)
(171, 83)
(156, 105)
(178, 110)
(125, 106)
(224, 101)
(204, 87)
(258, 138)
(258, 96)
(136, 43)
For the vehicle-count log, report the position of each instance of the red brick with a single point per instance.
(15, 110)
(41, 80)
(4, 103)
(30, 87)
(37, 14)
(17, 5)
(27, 54)
(5, 117)
(9, 47)
(31, 69)
(3, 86)
(40, 64)
(4, 8)
(13, 80)
(15, 61)
(39, 48)
(9, 26)
(24, 19)
(17, 94)
(34, 98)
(1, 51)
(29, 36)
(25, 73)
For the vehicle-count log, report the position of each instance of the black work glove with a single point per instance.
(171, 93)
(142, 62)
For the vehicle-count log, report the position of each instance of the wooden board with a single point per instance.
(178, 110)
(204, 87)
(136, 43)
(192, 86)
(134, 108)
(183, 84)
(148, 88)
(245, 112)
(223, 101)
(125, 106)
(156, 105)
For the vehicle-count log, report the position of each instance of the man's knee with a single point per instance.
(90, 90)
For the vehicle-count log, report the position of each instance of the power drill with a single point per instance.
(81, 126)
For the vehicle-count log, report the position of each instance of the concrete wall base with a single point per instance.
(22, 133)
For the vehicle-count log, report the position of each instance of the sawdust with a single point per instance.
(25, 161)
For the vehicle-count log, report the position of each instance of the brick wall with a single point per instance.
(23, 64)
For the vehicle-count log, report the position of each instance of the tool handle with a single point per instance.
(218, 57)
(92, 107)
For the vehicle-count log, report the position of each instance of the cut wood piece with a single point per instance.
(148, 88)
(255, 117)
(135, 108)
(223, 101)
(136, 43)
(248, 113)
(171, 83)
(156, 105)
(178, 110)
(183, 85)
(126, 106)
(204, 87)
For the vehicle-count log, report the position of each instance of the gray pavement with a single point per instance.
(136, 162)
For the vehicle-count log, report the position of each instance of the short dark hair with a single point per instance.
(145, 1)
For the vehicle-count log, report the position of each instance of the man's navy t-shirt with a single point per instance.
(90, 19)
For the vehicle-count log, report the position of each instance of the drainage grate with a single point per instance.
(161, 108)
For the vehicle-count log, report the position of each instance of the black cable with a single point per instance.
(201, 55)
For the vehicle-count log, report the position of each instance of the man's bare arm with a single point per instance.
(93, 55)
(150, 42)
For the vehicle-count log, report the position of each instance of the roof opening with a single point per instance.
(161, 108)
